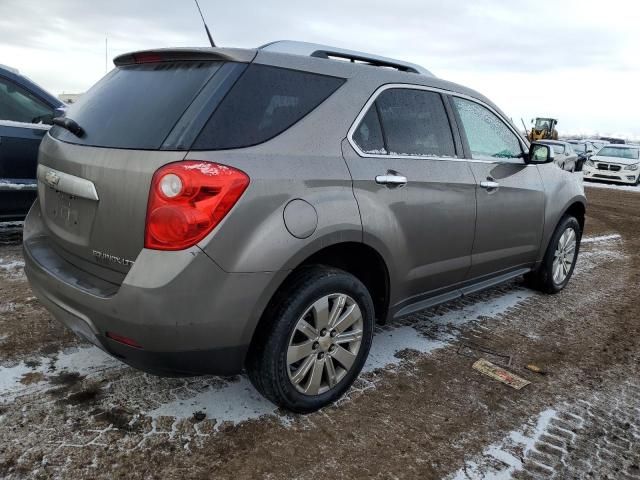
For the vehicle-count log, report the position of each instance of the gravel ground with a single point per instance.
(418, 411)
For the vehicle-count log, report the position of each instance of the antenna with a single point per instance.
(213, 44)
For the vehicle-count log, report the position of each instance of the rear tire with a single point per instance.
(559, 261)
(314, 339)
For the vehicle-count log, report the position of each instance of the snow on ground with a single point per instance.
(501, 460)
(235, 400)
(612, 186)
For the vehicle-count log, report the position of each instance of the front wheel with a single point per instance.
(315, 340)
(559, 261)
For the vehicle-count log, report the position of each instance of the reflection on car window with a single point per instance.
(415, 123)
(558, 149)
(488, 136)
(18, 105)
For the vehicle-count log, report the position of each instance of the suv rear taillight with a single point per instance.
(187, 200)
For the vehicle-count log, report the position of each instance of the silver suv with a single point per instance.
(213, 210)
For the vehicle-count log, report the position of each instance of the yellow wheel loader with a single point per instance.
(543, 129)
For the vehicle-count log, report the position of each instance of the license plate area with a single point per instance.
(67, 216)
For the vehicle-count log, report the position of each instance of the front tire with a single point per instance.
(314, 340)
(559, 261)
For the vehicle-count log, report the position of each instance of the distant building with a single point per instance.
(69, 98)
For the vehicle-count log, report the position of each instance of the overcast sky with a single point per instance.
(577, 60)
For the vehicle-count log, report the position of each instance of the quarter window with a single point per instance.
(488, 136)
(406, 122)
(18, 105)
(368, 136)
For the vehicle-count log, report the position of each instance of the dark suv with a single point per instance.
(26, 113)
(210, 210)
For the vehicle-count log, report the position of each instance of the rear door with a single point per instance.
(510, 195)
(416, 197)
(23, 123)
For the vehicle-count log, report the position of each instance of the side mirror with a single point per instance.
(540, 153)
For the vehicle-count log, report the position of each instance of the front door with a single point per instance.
(416, 198)
(510, 193)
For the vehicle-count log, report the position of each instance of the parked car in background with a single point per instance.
(26, 113)
(615, 163)
(565, 156)
(213, 209)
(597, 143)
(585, 150)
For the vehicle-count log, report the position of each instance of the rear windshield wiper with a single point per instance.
(69, 124)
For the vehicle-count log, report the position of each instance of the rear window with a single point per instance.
(265, 102)
(137, 106)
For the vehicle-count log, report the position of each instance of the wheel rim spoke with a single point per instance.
(313, 387)
(297, 352)
(331, 372)
(303, 369)
(336, 310)
(350, 336)
(304, 327)
(344, 356)
(350, 316)
(321, 313)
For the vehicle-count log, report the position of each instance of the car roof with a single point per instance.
(369, 68)
(553, 142)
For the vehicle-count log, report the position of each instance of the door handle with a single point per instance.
(389, 179)
(489, 184)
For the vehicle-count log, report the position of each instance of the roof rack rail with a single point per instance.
(324, 51)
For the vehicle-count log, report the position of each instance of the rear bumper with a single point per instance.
(187, 314)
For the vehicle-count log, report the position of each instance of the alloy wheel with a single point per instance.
(324, 344)
(564, 255)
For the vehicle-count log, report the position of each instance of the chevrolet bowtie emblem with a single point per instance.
(52, 178)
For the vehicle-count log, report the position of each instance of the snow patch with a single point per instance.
(36, 126)
(602, 238)
(509, 453)
(235, 402)
(83, 360)
(625, 188)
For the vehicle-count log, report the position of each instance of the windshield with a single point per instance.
(543, 124)
(627, 153)
(580, 147)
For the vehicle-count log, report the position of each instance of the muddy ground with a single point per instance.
(418, 411)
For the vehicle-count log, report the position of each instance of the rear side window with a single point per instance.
(265, 102)
(413, 123)
(488, 136)
(19, 105)
(137, 106)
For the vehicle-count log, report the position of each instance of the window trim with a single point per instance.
(455, 134)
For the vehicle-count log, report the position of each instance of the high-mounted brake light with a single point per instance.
(187, 200)
(147, 57)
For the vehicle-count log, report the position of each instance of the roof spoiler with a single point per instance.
(240, 55)
(326, 51)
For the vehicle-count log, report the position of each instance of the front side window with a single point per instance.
(488, 136)
(406, 122)
(19, 105)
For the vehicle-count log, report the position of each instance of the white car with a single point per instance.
(615, 163)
